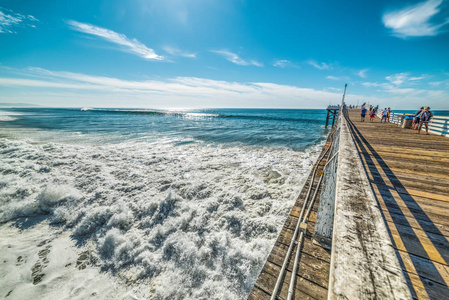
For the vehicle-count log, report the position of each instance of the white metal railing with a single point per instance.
(439, 126)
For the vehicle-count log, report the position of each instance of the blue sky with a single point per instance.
(206, 53)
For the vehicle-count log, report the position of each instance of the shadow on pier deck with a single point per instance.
(409, 175)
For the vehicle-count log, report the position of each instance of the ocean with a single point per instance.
(147, 204)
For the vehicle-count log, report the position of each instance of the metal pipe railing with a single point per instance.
(295, 234)
(303, 227)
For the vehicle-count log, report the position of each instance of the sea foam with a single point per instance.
(192, 221)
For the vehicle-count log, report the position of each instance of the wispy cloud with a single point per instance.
(400, 83)
(400, 78)
(234, 58)
(334, 89)
(322, 66)
(377, 84)
(199, 92)
(440, 83)
(128, 45)
(282, 63)
(58, 88)
(415, 20)
(9, 20)
(346, 78)
(362, 73)
(177, 52)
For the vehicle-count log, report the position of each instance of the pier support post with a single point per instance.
(332, 110)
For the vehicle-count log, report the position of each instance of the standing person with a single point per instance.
(363, 113)
(388, 117)
(415, 122)
(384, 115)
(372, 115)
(424, 118)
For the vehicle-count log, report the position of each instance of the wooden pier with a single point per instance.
(408, 175)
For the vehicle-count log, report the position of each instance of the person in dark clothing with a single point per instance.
(415, 122)
(363, 114)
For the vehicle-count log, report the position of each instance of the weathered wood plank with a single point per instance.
(424, 244)
(304, 288)
(427, 289)
(309, 247)
(425, 268)
(311, 267)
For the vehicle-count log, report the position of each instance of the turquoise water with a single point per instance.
(440, 113)
(296, 129)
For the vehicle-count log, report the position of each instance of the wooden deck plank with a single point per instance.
(311, 268)
(426, 268)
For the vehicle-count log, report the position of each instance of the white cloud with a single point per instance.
(404, 91)
(334, 89)
(10, 20)
(362, 73)
(128, 45)
(400, 83)
(400, 78)
(346, 78)
(234, 58)
(415, 20)
(177, 52)
(173, 92)
(376, 84)
(282, 63)
(59, 88)
(322, 66)
(440, 83)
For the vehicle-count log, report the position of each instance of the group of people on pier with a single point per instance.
(372, 113)
(422, 116)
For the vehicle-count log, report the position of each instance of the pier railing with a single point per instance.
(325, 217)
(438, 125)
(362, 261)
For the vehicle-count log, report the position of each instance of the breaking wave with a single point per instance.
(192, 221)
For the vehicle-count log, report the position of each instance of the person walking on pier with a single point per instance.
(424, 118)
(388, 116)
(384, 115)
(415, 123)
(363, 114)
(372, 115)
